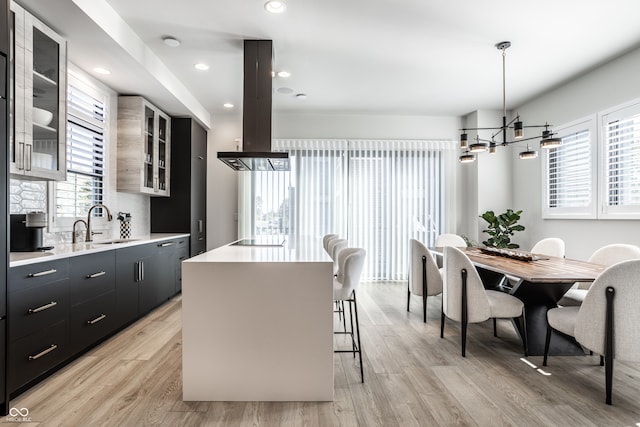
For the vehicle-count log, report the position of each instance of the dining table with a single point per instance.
(539, 281)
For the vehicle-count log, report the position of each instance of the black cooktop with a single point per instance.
(260, 242)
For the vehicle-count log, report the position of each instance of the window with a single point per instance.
(569, 172)
(620, 162)
(86, 127)
(377, 194)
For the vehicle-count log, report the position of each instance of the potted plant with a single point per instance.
(501, 228)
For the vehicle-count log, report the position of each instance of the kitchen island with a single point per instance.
(258, 324)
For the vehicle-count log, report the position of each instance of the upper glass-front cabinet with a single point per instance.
(38, 69)
(143, 147)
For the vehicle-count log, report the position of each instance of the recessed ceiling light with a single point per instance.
(285, 90)
(202, 67)
(284, 74)
(301, 95)
(227, 105)
(274, 6)
(101, 70)
(171, 41)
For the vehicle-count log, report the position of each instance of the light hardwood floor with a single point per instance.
(412, 377)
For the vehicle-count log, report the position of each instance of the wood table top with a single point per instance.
(546, 269)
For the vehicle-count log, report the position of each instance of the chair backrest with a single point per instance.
(624, 277)
(326, 239)
(551, 246)
(612, 254)
(335, 247)
(351, 261)
(434, 278)
(449, 240)
(478, 309)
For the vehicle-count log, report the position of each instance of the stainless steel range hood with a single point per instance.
(256, 154)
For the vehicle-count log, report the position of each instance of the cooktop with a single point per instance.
(262, 241)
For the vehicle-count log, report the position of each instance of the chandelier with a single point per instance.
(480, 144)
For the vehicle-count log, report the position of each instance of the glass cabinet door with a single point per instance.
(38, 98)
(162, 154)
(149, 135)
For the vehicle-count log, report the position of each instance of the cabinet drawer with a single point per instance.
(37, 308)
(92, 320)
(35, 354)
(33, 275)
(91, 275)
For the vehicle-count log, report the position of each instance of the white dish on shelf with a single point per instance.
(42, 117)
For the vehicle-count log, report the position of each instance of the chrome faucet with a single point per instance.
(73, 233)
(89, 236)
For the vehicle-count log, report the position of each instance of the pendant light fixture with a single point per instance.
(480, 144)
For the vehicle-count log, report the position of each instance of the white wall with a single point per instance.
(611, 84)
(222, 182)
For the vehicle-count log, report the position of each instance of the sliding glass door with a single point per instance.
(377, 194)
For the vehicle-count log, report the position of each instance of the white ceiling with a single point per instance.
(357, 56)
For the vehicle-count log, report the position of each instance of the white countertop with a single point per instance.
(308, 251)
(82, 248)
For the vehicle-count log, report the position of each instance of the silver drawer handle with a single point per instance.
(201, 158)
(94, 275)
(43, 352)
(43, 308)
(97, 319)
(42, 273)
(163, 245)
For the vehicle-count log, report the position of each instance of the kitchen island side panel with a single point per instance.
(256, 331)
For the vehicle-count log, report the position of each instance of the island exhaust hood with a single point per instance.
(256, 154)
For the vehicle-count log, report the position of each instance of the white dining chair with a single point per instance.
(465, 300)
(551, 246)
(607, 321)
(425, 278)
(607, 255)
(345, 286)
(449, 239)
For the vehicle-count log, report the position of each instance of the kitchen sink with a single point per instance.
(114, 241)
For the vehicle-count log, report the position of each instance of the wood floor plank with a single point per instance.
(412, 378)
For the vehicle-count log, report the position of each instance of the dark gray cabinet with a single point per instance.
(4, 183)
(38, 320)
(185, 211)
(60, 308)
(133, 267)
(92, 313)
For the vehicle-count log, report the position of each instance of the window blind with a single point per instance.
(376, 194)
(622, 160)
(569, 176)
(85, 155)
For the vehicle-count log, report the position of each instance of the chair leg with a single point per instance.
(463, 335)
(442, 317)
(424, 289)
(546, 345)
(344, 316)
(355, 306)
(408, 294)
(608, 344)
(495, 330)
(353, 341)
(601, 360)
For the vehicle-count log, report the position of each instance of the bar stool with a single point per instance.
(345, 285)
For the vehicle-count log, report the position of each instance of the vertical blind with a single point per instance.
(85, 155)
(622, 158)
(377, 194)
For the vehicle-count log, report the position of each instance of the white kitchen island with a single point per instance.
(257, 324)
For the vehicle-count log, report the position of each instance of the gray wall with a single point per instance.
(611, 84)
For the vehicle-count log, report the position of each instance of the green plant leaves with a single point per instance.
(501, 227)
